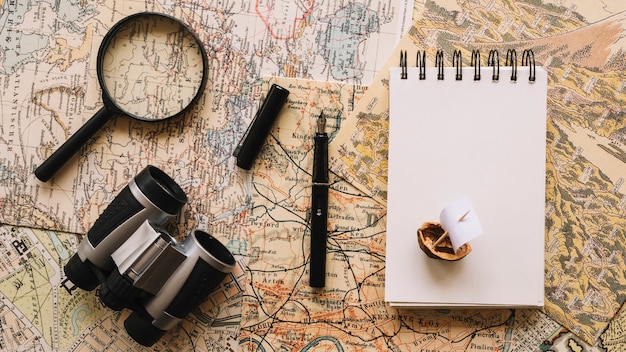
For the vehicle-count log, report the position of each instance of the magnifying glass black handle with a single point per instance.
(50, 166)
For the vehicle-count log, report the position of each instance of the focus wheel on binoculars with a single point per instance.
(118, 292)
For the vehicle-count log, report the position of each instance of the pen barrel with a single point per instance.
(319, 211)
(319, 225)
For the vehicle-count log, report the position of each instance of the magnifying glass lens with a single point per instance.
(152, 68)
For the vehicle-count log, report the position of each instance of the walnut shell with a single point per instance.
(429, 233)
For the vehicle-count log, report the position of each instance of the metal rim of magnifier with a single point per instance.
(114, 31)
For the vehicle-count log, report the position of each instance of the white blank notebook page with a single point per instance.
(483, 140)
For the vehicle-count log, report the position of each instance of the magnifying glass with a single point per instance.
(151, 67)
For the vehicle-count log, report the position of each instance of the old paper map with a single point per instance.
(582, 47)
(49, 88)
(41, 311)
(281, 311)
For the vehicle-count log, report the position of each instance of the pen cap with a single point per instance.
(252, 141)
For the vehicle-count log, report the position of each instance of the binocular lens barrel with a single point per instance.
(151, 195)
(207, 263)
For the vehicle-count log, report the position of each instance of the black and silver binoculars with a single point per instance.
(140, 266)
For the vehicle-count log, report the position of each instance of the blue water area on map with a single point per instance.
(24, 29)
(80, 314)
(311, 346)
(59, 247)
(316, 343)
(347, 30)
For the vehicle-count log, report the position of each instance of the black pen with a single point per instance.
(319, 205)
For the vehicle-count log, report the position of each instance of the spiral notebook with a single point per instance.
(475, 132)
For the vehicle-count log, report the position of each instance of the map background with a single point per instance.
(56, 39)
(584, 261)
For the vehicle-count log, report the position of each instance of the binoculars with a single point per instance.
(140, 266)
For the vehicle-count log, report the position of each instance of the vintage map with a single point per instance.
(583, 50)
(41, 311)
(281, 311)
(48, 88)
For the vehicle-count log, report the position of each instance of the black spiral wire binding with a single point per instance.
(439, 64)
(403, 72)
(528, 59)
(512, 63)
(457, 62)
(494, 61)
(476, 63)
(420, 62)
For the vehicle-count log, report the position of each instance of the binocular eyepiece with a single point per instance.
(139, 266)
